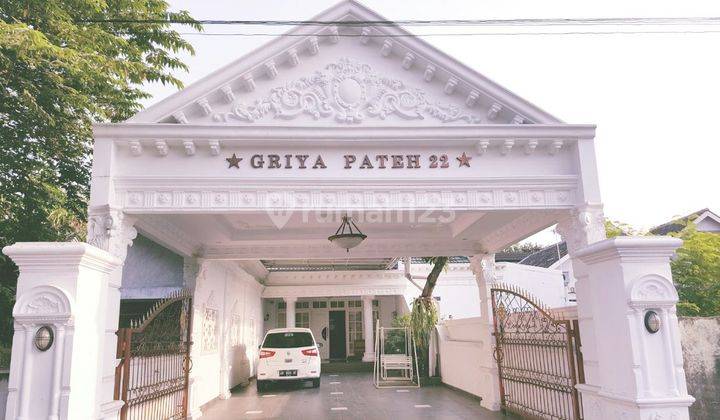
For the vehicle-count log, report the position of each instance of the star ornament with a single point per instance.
(464, 160)
(233, 161)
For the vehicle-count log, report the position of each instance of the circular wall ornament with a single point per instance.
(44, 338)
(652, 322)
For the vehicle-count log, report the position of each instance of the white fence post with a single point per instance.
(62, 286)
(639, 372)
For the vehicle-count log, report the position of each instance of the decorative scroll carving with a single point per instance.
(350, 92)
(584, 226)
(111, 230)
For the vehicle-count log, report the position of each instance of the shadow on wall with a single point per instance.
(701, 351)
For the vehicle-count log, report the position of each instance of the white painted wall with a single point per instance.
(545, 284)
(461, 346)
(219, 365)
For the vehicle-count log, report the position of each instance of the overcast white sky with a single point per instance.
(654, 97)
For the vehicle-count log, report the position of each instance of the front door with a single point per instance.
(319, 327)
(337, 335)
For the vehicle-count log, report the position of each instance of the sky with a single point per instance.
(653, 97)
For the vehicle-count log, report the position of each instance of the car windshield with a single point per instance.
(286, 340)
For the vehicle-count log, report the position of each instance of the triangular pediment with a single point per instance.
(345, 74)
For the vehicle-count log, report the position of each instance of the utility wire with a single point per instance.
(712, 20)
(251, 34)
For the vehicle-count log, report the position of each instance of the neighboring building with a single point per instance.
(704, 220)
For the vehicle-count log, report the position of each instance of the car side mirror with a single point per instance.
(259, 346)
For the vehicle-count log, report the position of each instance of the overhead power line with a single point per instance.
(712, 20)
(251, 34)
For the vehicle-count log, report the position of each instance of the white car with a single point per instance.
(288, 354)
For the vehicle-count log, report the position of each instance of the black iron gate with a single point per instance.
(538, 357)
(154, 352)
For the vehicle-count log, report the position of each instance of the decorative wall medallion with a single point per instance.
(350, 92)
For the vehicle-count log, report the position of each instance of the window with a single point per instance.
(209, 330)
(319, 304)
(337, 304)
(355, 328)
(376, 303)
(282, 305)
(354, 304)
(288, 340)
(302, 319)
(302, 305)
(281, 319)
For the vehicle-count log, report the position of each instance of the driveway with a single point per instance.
(348, 396)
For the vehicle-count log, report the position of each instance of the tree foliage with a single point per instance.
(696, 272)
(64, 65)
(615, 228)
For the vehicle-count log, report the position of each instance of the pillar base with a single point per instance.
(598, 404)
(368, 357)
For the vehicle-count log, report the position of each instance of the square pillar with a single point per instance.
(483, 266)
(290, 311)
(63, 286)
(368, 333)
(639, 373)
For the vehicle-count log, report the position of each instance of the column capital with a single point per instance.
(583, 226)
(289, 299)
(483, 265)
(368, 298)
(110, 229)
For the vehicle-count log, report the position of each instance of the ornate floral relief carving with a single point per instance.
(43, 304)
(654, 289)
(350, 92)
(111, 230)
(583, 227)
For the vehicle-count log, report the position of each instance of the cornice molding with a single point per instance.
(370, 249)
(333, 290)
(630, 249)
(54, 256)
(338, 135)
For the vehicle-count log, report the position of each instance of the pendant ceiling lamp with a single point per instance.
(348, 235)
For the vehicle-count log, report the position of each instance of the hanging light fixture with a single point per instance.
(346, 237)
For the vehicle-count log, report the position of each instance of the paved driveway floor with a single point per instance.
(347, 396)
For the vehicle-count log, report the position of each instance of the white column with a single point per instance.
(63, 286)
(483, 266)
(110, 229)
(640, 374)
(290, 311)
(368, 332)
(581, 227)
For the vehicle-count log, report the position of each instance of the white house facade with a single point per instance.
(231, 187)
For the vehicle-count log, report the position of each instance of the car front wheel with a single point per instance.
(260, 386)
(316, 383)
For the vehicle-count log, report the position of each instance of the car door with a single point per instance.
(319, 326)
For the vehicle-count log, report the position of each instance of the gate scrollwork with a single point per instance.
(538, 357)
(153, 374)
